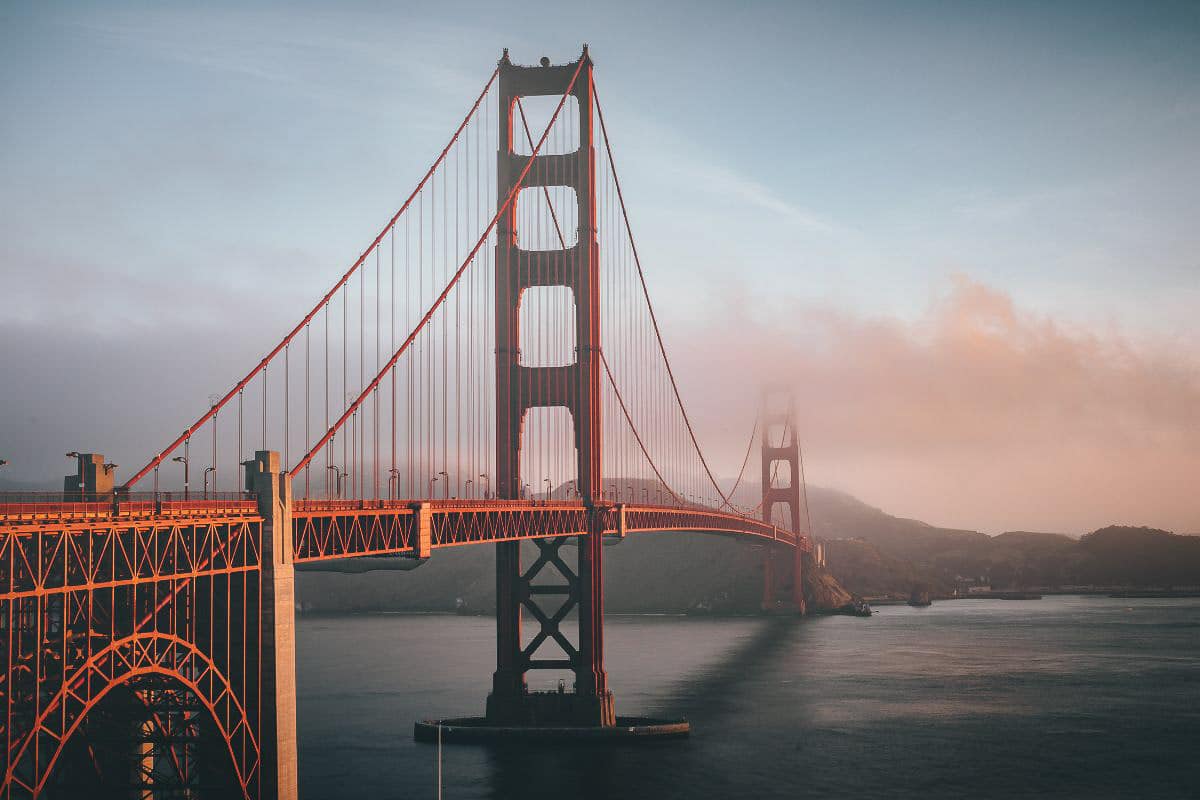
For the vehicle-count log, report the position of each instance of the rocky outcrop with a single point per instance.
(822, 592)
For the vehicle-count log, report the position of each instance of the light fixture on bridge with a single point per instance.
(338, 476)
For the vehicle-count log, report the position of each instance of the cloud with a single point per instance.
(976, 414)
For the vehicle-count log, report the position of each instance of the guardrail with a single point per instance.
(39, 506)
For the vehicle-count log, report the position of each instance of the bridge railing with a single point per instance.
(328, 529)
(17, 507)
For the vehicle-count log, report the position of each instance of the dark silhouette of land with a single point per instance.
(870, 552)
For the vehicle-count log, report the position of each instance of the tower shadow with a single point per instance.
(714, 698)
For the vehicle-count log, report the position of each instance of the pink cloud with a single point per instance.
(977, 414)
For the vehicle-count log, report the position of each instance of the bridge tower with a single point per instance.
(576, 387)
(781, 446)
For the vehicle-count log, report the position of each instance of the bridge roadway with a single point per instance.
(43, 539)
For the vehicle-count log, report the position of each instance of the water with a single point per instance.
(1061, 697)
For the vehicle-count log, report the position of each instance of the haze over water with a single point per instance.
(1062, 697)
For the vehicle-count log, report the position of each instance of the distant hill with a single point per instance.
(869, 551)
(1140, 557)
(649, 572)
(874, 553)
(7, 485)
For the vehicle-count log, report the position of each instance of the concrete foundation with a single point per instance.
(479, 730)
(549, 709)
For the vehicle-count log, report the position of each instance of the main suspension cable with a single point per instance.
(509, 199)
(154, 462)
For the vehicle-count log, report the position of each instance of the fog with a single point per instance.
(974, 414)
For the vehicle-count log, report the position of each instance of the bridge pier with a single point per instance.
(590, 703)
(277, 664)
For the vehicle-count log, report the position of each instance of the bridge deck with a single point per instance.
(35, 535)
(343, 529)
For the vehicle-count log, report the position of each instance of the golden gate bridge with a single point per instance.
(490, 370)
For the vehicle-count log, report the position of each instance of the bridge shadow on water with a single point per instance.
(722, 699)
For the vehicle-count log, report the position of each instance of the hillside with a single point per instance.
(869, 551)
(873, 553)
(652, 572)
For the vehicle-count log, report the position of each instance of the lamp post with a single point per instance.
(206, 471)
(487, 485)
(432, 481)
(445, 485)
(338, 475)
(466, 489)
(185, 461)
(393, 483)
(525, 492)
(549, 489)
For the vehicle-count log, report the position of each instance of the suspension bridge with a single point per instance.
(489, 370)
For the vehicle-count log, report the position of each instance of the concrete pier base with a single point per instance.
(533, 709)
(479, 730)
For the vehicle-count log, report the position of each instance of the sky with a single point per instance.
(965, 232)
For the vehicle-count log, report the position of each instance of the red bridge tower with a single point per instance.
(781, 446)
(576, 387)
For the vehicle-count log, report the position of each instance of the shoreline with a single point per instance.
(1148, 594)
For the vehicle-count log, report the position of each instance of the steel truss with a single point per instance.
(118, 611)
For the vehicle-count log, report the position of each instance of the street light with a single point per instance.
(338, 475)
(525, 492)
(445, 485)
(206, 471)
(487, 485)
(432, 481)
(549, 489)
(185, 461)
(393, 483)
(3, 463)
(466, 491)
